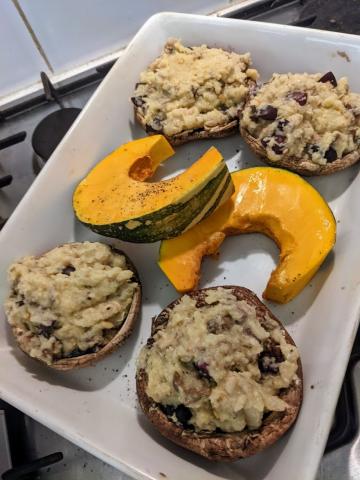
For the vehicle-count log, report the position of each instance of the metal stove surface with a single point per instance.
(344, 463)
(20, 162)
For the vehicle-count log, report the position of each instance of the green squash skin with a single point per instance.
(170, 221)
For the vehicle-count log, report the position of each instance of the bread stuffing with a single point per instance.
(219, 363)
(309, 123)
(71, 301)
(193, 92)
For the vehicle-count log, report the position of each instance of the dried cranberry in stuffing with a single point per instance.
(267, 364)
(299, 97)
(168, 410)
(68, 269)
(150, 341)
(312, 148)
(45, 331)
(330, 154)
(278, 149)
(329, 77)
(269, 358)
(267, 113)
(280, 139)
(265, 141)
(282, 123)
(202, 370)
(183, 414)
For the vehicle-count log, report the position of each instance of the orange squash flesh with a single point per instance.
(114, 200)
(126, 187)
(275, 202)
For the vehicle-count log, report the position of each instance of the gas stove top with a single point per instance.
(29, 131)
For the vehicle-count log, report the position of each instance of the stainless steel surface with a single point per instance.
(344, 463)
(5, 459)
(18, 160)
(76, 465)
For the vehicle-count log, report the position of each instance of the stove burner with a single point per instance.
(51, 130)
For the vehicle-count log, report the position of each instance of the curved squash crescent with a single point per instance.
(267, 200)
(115, 201)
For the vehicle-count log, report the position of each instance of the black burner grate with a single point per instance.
(6, 180)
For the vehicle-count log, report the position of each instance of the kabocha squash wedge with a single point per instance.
(272, 201)
(113, 200)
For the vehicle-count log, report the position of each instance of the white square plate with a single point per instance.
(96, 407)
